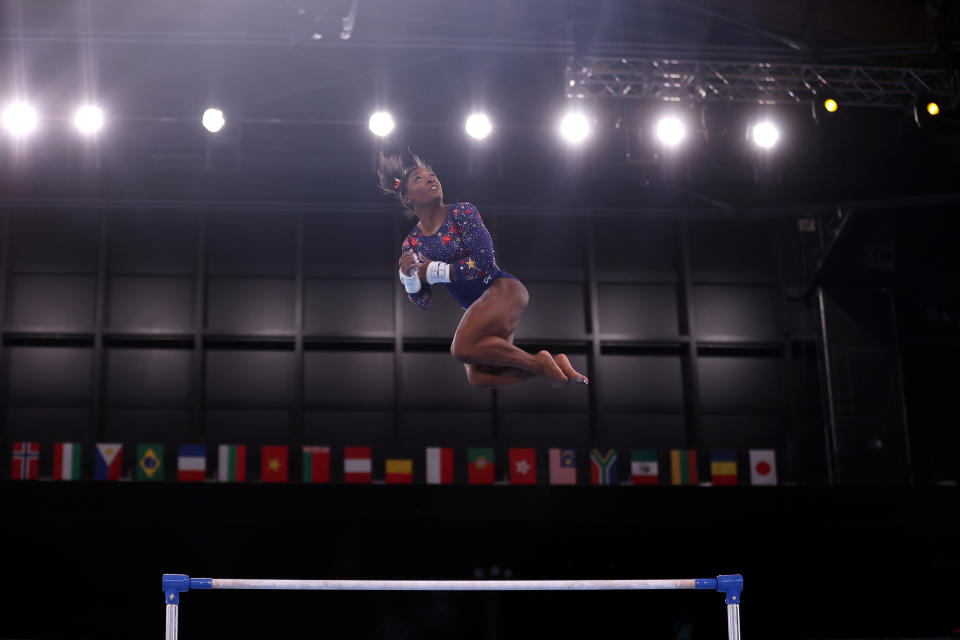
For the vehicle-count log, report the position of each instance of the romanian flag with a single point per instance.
(643, 467)
(316, 464)
(273, 463)
(26, 461)
(439, 465)
(603, 467)
(723, 467)
(480, 469)
(399, 471)
(563, 466)
(683, 467)
(357, 465)
(232, 463)
(149, 462)
(66, 461)
(109, 462)
(523, 466)
(192, 463)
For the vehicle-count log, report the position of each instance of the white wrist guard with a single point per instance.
(411, 283)
(438, 272)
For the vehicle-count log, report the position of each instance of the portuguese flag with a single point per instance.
(480, 469)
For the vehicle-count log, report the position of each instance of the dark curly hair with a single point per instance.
(394, 174)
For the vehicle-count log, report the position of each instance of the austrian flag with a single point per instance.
(357, 465)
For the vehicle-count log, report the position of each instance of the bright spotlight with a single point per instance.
(933, 108)
(830, 105)
(765, 135)
(670, 131)
(19, 119)
(213, 120)
(381, 123)
(478, 126)
(574, 127)
(88, 119)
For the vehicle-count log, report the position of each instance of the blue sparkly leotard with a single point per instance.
(464, 243)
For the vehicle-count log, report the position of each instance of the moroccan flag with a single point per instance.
(357, 465)
(109, 462)
(232, 463)
(273, 463)
(439, 465)
(400, 471)
(563, 466)
(26, 461)
(192, 463)
(149, 462)
(644, 468)
(603, 467)
(723, 467)
(316, 464)
(66, 461)
(763, 466)
(523, 466)
(480, 469)
(683, 467)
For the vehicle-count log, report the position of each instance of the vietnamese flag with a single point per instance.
(400, 471)
(273, 463)
(357, 465)
(523, 466)
(480, 469)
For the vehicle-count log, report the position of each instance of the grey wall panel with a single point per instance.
(54, 242)
(149, 425)
(250, 427)
(250, 378)
(150, 304)
(344, 377)
(40, 303)
(740, 432)
(49, 375)
(737, 246)
(545, 429)
(47, 424)
(737, 312)
(538, 393)
(555, 311)
(148, 377)
(158, 243)
(439, 321)
(347, 428)
(641, 383)
(741, 383)
(638, 312)
(539, 247)
(642, 431)
(250, 304)
(635, 249)
(420, 429)
(251, 244)
(361, 308)
(438, 380)
(352, 246)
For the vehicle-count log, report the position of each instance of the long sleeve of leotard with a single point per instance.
(421, 298)
(479, 260)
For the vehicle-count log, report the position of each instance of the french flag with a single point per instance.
(191, 463)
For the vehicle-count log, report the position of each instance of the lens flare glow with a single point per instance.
(765, 135)
(19, 119)
(88, 119)
(670, 131)
(381, 123)
(933, 108)
(574, 127)
(213, 120)
(478, 126)
(830, 105)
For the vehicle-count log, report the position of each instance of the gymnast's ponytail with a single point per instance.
(393, 174)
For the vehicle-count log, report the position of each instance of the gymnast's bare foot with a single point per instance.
(572, 374)
(550, 370)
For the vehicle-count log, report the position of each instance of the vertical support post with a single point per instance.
(829, 408)
(173, 620)
(731, 586)
(733, 622)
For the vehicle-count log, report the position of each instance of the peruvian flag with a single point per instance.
(109, 462)
(26, 460)
(357, 465)
(191, 463)
(316, 464)
(273, 463)
(66, 461)
(523, 466)
(763, 466)
(439, 465)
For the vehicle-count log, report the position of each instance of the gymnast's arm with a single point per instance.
(480, 260)
(418, 290)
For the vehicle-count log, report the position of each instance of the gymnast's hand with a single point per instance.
(408, 263)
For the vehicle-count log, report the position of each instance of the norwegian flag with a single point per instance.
(26, 461)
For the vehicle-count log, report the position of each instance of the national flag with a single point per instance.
(149, 462)
(603, 467)
(439, 465)
(480, 468)
(644, 468)
(563, 466)
(723, 467)
(357, 465)
(399, 471)
(109, 461)
(523, 466)
(316, 464)
(232, 463)
(683, 466)
(763, 466)
(273, 463)
(192, 463)
(26, 461)
(66, 461)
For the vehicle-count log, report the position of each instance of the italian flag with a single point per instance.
(439, 465)
(357, 465)
(316, 464)
(232, 463)
(643, 467)
(481, 468)
(66, 461)
(400, 471)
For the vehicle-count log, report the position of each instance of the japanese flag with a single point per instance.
(763, 466)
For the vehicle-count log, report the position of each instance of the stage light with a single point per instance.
(670, 131)
(381, 123)
(574, 127)
(213, 120)
(88, 119)
(19, 119)
(830, 105)
(478, 126)
(933, 108)
(765, 135)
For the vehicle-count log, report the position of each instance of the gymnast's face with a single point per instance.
(423, 187)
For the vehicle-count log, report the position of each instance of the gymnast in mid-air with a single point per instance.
(451, 246)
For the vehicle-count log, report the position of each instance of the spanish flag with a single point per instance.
(399, 471)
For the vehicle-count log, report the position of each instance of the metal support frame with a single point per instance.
(175, 584)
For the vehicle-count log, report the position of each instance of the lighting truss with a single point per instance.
(675, 80)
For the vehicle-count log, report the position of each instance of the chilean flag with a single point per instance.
(26, 459)
(109, 463)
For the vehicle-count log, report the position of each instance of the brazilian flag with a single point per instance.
(150, 462)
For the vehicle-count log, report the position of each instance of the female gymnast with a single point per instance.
(451, 246)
